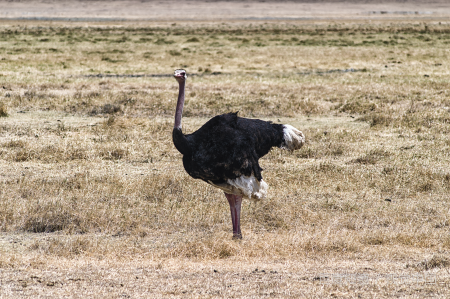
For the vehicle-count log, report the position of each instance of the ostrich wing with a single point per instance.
(228, 147)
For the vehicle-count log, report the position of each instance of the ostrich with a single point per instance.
(224, 152)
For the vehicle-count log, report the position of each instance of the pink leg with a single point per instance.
(235, 209)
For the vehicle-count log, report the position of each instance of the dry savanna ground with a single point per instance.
(94, 200)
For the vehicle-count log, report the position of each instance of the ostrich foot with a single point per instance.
(237, 237)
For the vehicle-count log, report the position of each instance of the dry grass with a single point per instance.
(3, 110)
(89, 174)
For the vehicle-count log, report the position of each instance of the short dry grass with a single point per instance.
(94, 197)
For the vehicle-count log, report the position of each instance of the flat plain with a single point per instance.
(94, 200)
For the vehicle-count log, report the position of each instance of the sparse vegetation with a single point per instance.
(88, 168)
(3, 110)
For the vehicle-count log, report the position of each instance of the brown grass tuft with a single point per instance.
(51, 217)
(3, 110)
(437, 261)
(210, 248)
(377, 119)
(372, 157)
(15, 144)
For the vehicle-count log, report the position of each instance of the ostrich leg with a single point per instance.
(235, 209)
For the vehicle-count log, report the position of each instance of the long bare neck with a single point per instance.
(180, 105)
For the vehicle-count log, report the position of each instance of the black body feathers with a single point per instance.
(227, 147)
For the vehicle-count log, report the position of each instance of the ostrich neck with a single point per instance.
(180, 105)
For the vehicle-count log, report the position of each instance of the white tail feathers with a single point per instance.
(293, 138)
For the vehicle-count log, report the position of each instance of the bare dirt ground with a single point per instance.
(96, 203)
(220, 10)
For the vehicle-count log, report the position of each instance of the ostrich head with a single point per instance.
(180, 75)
